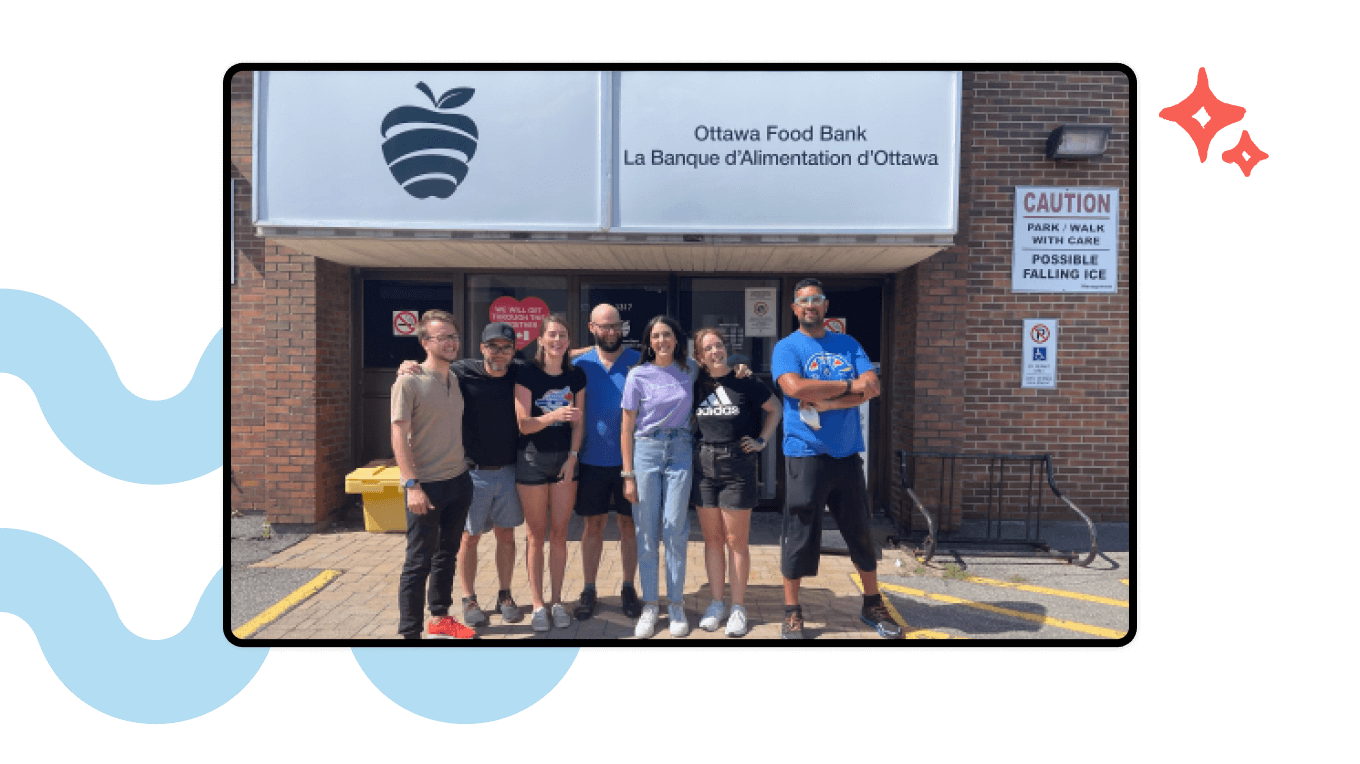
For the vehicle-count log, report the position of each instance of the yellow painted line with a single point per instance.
(1124, 581)
(915, 633)
(1040, 619)
(283, 605)
(1045, 590)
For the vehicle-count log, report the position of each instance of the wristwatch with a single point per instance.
(409, 483)
(627, 475)
(573, 453)
(761, 441)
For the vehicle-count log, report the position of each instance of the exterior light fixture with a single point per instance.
(1077, 141)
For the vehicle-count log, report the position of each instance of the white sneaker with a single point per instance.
(736, 623)
(560, 617)
(713, 616)
(679, 626)
(646, 624)
(540, 622)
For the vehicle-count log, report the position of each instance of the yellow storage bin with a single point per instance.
(384, 502)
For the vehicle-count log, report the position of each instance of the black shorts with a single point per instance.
(728, 477)
(534, 467)
(813, 482)
(600, 490)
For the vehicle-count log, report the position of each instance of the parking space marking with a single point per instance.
(1045, 590)
(917, 633)
(1040, 619)
(285, 604)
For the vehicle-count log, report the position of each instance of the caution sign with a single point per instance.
(1039, 364)
(404, 323)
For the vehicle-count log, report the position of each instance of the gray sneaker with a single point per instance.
(561, 618)
(472, 614)
(510, 612)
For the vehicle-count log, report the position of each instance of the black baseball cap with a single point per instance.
(498, 330)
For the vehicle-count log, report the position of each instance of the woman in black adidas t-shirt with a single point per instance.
(732, 433)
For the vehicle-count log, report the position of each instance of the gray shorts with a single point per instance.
(495, 502)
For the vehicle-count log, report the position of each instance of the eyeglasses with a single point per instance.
(494, 348)
(811, 299)
(447, 339)
(608, 327)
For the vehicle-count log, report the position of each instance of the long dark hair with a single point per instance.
(681, 354)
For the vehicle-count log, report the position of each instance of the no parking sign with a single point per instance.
(1039, 365)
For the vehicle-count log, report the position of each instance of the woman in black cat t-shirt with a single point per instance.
(548, 404)
(736, 418)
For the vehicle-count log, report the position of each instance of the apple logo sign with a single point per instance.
(420, 151)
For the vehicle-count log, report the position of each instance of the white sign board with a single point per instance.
(1039, 365)
(404, 323)
(427, 150)
(1065, 240)
(762, 314)
(758, 152)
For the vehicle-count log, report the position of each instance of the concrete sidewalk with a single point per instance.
(361, 602)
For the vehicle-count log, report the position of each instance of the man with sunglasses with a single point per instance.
(489, 437)
(825, 376)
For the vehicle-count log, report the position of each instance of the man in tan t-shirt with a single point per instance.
(427, 440)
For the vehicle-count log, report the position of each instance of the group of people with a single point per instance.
(487, 445)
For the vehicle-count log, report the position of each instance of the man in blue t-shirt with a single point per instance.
(825, 376)
(600, 486)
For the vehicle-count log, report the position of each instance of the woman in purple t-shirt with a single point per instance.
(657, 455)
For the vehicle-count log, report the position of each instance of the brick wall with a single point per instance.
(963, 349)
(290, 362)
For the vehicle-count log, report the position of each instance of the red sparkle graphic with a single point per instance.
(1220, 115)
(1245, 154)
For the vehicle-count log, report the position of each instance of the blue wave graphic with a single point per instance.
(98, 659)
(465, 685)
(93, 414)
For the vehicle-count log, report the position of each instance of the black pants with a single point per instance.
(814, 482)
(432, 541)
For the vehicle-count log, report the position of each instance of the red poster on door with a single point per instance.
(524, 316)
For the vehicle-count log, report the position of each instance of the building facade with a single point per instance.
(317, 306)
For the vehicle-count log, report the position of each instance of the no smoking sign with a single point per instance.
(404, 323)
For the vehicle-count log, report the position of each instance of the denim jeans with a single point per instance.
(662, 461)
(432, 541)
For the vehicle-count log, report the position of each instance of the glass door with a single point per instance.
(747, 312)
(637, 298)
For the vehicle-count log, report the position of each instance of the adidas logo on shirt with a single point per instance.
(718, 404)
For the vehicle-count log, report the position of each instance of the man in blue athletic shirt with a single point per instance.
(825, 376)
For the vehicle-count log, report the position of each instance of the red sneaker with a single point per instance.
(445, 627)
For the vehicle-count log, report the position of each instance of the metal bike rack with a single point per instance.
(940, 529)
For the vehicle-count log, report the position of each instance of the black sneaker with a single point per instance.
(632, 606)
(878, 617)
(793, 626)
(585, 607)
